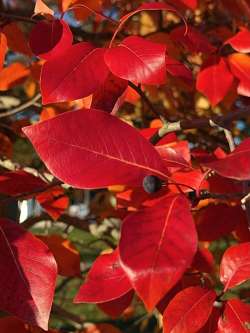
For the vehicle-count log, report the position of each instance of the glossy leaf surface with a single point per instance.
(189, 310)
(95, 141)
(139, 60)
(25, 262)
(236, 318)
(77, 73)
(235, 265)
(149, 239)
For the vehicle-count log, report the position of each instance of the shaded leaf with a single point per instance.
(16, 39)
(50, 38)
(219, 220)
(116, 307)
(65, 253)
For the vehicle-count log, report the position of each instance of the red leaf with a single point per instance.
(173, 157)
(13, 75)
(76, 73)
(95, 141)
(215, 221)
(106, 281)
(190, 3)
(20, 182)
(193, 40)
(193, 180)
(234, 165)
(139, 60)
(235, 265)
(212, 323)
(203, 261)
(236, 318)
(189, 310)
(214, 80)
(12, 325)
(116, 307)
(54, 201)
(65, 253)
(240, 67)
(25, 263)
(3, 49)
(107, 95)
(149, 239)
(241, 41)
(16, 39)
(176, 68)
(50, 38)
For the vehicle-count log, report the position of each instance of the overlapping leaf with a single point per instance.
(139, 60)
(106, 281)
(236, 318)
(95, 141)
(235, 265)
(241, 41)
(189, 310)
(236, 164)
(149, 239)
(77, 72)
(25, 262)
(50, 38)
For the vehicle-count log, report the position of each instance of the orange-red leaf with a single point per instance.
(240, 67)
(3, 49)
(13, 75)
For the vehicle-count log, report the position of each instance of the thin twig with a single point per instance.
(20, 108)
(145, 99)
(221, 121)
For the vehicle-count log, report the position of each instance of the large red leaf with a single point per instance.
(241, 41)
(139, 60)
(105, 150)
(234, 165)
(236, 318)
(50, 38)
(235, 265)
(189, 310)
(214, 80)
(215, 221)
(74, 74)
(158, 244)
(106, 281)
(28, 275)
(240, 67)
(190, 3)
